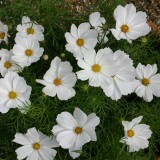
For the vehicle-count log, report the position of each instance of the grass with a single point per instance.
(42, 114)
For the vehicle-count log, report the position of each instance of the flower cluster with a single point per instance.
(71, 132)
(114, 72)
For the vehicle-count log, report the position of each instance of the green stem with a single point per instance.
(121, 151)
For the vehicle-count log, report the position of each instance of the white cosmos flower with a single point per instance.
(136, 135)
(72, 132)
(26, 51)
(97, 67)
(6, 63)
(147, 82)
(81, 39)
(29, 28)
(123, 77)
(98, 22)
(3, 32)
(130, 24)
(36, 145)
(59, 80)
(14, 92)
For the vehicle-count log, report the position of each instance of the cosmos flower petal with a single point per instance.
(64, 69)
(24, 151)
(82, 139)
(50, 91)
(21, 139)
(137, 120)
(116, 33)
(143, 29)
(92, 121)
(25, 19)
(32, 134)
(80, 116)
(139, 18)
(70, 39)
(57, 129)
(155, 79)
(95, 81)
(91, 34)
(69, 80)
(83, 74)
(66, 120)
(94, 18)
(47, 153)
(90, 43)
(155, 89)
(119, 14)
(130, 12)
(74, 31)
(150, 70)
(143, 143)
(124, 87)
(82, 29)
(64, 93)
(74, 152)
(83, 64)
(4, 109)
(140, 90)
(33, 155)
(148, 96)
(66, 139)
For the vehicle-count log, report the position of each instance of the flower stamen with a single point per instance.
(7, 64)
(28, 52)
(78, 130)
(80, 42)
(124, 28)
(36, 146)
(2, 35)
(130, 133)
(57, 82)
(146, 81)
(30, 31)
(12, 95)
(96, 68)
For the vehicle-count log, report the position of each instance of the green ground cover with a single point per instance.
(42, 114)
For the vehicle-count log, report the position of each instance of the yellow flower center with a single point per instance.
(78, 130)
(28, 52)
(124, 28)
(57, 82)
(130, 133)
(2, 35)
(30, 31)
(96, 68)
(12, 95)
(145, 81)
(36, 146)
(7, 64)
(80, 42)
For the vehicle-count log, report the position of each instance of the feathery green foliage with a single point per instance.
(43, 111)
